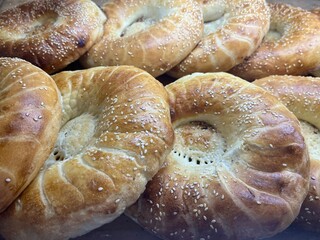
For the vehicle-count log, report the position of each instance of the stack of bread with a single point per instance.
(198, 119)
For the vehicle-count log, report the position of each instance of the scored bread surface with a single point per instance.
(239, 167)
(30, 114)
(115, 133)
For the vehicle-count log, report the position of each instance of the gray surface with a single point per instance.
(125, 229)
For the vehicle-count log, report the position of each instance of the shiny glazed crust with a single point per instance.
(50, 33)
(239, 167)
(294, 51)
(116, 132)
(302, 96)
(29, 121)
(153, 35)
(233, 31)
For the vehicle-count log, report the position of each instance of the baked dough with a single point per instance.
(233, 31)
(291, 47)
(316, 11)
(301, 95)
(153, 35)
(316, 73)
(115, 134)
(51, 34)
(239, 168)
(30, 114)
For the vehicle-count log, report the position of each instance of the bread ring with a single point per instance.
(316, 11)
(153, 35)
(233, 31)
(291, 47)
(316, 73)
(115, 135)
(238, 168)
(302, 96)
(30, 113)
(50, 33)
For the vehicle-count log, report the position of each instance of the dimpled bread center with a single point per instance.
(276, 31)
(272, 36)
(140, 25)
(214, 25)
(214, 18)
(198, 144)
(312, 137)
(42, 23)
(143, 20)
(73, 137)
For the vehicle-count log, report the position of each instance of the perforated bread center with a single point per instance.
(115, 135)
(239, 165)
(198, 144)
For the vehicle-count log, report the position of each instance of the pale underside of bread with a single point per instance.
(239, 167)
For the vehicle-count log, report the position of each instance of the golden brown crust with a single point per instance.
(316, 73)
(30, 114)
(116, 133)
(301, 95)
(291, 47)
(152, 35)
(316, 11)
(239, 167)
(50, 33)
(243, 24)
